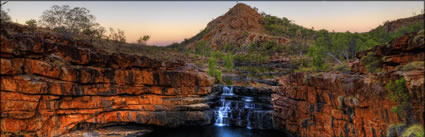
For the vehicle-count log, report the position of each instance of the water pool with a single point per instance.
(214, 131)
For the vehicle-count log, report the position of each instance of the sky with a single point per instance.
(167, 22)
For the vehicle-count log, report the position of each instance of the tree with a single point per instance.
(4, 17)
(118, 36)
(94, 32)
(143, 40)
(32, 23)
(67, 20)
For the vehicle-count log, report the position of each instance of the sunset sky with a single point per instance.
(169, 22)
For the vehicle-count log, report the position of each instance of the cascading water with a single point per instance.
(222, 114)
(229, 103)
(242, 107)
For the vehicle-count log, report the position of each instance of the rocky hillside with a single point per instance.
(240, 26)
(392, 26)
(357, 104)
(50, 86)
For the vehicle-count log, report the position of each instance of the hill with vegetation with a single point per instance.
(262, 41)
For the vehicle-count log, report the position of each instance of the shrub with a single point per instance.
(202, 48)
(217, 54)
(413, 65)
(228, 48)
(414, 130)
(228, 61)
(212, 70)
(371, 62)
(319, 64)
(400, 94)
(228, 81)
(269, 45)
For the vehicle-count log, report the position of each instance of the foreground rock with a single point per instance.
(115, 131)
(50, 86)
(341, 104)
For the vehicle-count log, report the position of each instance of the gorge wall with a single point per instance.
(50, 86)
(354, 104)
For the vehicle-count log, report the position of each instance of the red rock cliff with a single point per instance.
(334, 104)
(50, 86)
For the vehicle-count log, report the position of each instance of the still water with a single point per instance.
(214, 131)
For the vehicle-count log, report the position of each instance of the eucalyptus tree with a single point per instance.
(68, 20)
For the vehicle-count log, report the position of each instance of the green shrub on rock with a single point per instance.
(228, 61)
(212, 70)
(400, 94)
(416, 130)
(371, 62)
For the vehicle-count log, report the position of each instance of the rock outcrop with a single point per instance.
(50, 85)
(353, 104)
(241, 25)
(401, 51)
(392, 26)
(332, 104)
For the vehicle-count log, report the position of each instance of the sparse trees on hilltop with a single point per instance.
(32, 23)
(68, 21)
(117, 36)
(143, 40)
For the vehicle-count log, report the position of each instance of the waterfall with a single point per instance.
(235, 110)
(249, 126)
(222, 113)
(228, 91)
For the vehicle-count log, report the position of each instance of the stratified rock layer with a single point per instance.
(50, 86)
(400, 51)
(342, 104)
(335, 104)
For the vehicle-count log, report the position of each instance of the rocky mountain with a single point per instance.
(240, 26)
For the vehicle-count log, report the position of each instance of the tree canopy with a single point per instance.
(67, 19)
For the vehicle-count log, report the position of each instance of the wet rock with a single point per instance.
(113, 131)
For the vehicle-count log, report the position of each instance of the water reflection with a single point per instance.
(214, 131)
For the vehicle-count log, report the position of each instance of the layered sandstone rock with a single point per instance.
(355, 104)
(50, 86)
(400, 51)
(332, 104)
